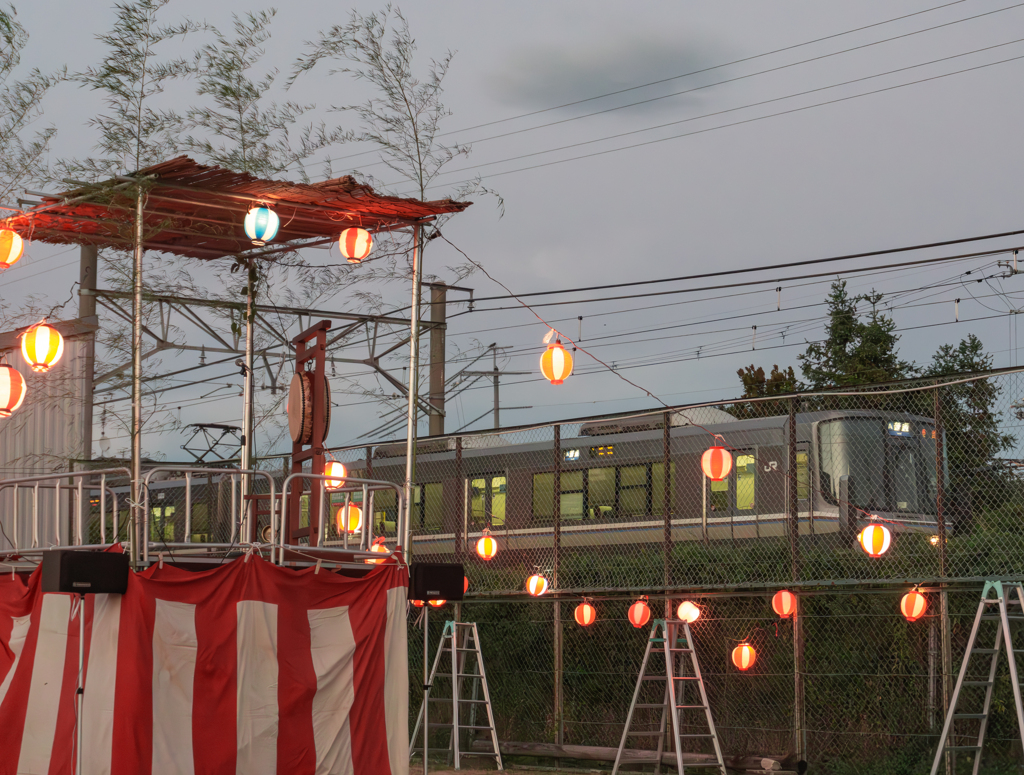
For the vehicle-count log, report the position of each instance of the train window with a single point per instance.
(427, 507)
(803, 484)
(571, 495)
(746, 472)
(902, 470)
(487, 500)
(854, 447)
(543, 496)
(601, 493)
(718, 497)
(385, 511)
(634, 491)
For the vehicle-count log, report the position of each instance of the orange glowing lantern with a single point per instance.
(486, 547)
(688, 612)
(338, 472)
(875, 540)
(417, 603)
(913, 605)
(377, 547)
(11, 248)
(465, 584)
(784, 603)
(716, 463)
(639, 613)
(437, 603)
(42, 346)
(355, 244)
(556, 363)
(585, 614)
(744, 656)
(536, 585)
(349, 519)
(12, 389)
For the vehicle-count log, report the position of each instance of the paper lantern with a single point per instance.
(784, 603)
(716, 463)
(743, 656)
(875, 540)
(437, 603)
(465, 584)
(417, 603)
(688, 612)
(11, 248)
(355, 244)
(12, 389)
(41, 347)
(486, 547)
(349, 519)
(377, 547)
(585, 614)
(261, 225)
(639, 613)
(556, 363)
(536, 585)
(337, 472)
(913, 605)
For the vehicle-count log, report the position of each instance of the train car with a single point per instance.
(612, 481)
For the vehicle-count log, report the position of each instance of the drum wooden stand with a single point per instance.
(310, 345)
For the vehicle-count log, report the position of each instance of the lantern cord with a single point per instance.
(789, 475)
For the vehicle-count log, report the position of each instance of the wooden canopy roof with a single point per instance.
(197, 211)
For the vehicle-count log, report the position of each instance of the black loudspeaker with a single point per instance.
(436, 581)
(83, 572)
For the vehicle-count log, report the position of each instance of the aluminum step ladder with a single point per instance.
(1004, 609)
(460, 642)
(683, 697)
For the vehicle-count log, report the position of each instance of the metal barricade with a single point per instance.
(367, 487)
(243, 527)
(82, 491)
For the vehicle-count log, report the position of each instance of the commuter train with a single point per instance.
(612, 483)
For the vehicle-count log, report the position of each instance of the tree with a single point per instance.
(854, 351)
(757, 385)
(971, 421)
(22, 153)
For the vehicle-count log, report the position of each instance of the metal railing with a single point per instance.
(366, 487)
(243, 525)
(80, 489)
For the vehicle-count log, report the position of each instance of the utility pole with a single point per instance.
(438, 315)
(495, 375)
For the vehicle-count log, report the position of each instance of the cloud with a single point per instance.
(546, 75)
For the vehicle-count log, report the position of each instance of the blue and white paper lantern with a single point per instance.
(261, 224)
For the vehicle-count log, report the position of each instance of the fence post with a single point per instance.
(940, 525)
(557, 613)
(799, 713)
(667, 501)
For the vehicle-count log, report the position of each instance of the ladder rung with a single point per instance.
(466, 726)
(462, 649)
(682, 651)
(458, 675)
(679, 707)
(685, 678)
(480, 702)
(970, 715)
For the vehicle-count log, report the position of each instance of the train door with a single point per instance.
(731, 505)
(487, 497)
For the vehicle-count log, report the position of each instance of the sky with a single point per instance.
(774, 158)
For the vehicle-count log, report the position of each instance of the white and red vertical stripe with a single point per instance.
(247, 668)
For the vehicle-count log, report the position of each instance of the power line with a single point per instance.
(734, 123)
(674, 77)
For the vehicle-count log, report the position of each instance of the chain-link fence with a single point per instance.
(617, 507)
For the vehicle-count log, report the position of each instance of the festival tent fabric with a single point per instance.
(246, 668)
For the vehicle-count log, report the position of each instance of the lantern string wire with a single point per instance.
(790, 475)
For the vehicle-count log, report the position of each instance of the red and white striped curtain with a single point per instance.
(246, 668)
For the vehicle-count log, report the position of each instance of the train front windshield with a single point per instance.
(891, 464)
